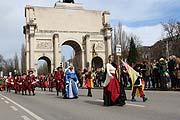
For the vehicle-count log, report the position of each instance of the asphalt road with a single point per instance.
(161, 105)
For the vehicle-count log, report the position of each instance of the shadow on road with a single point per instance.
(94, 103)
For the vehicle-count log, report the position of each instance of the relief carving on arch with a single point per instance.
(44, 45)
(97, 45)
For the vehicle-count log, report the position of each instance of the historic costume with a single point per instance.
(138, 87)
(50, 79)
(31, 82)
(24, 84)
(89, 83)
(71, 80)
(10, 83)
(42, 80)
(19, 83)
(112, 95)
(59, 79)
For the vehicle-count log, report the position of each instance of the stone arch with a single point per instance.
(97, 62)
(77, 60)
(48, 62)
(73, 40)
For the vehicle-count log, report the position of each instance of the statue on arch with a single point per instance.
(68, 1)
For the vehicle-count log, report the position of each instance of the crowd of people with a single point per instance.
(113, 79)
(161, 74)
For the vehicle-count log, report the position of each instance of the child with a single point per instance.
(138, 85)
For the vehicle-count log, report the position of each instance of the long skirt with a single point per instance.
(71, 90)
(112, 93)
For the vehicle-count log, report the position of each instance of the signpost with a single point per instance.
(118, 53)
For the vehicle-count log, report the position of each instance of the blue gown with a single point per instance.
(71, 87)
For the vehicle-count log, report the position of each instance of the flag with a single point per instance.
(132, 73)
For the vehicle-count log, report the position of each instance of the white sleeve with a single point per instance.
(108, 72)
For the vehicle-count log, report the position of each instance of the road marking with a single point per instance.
(25, 109)
(2, 98)
(134, 105)
(25, 117)
(14, 108)
(6, 102)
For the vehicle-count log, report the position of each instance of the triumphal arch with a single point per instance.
(88, 32)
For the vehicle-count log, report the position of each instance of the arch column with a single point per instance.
(56, 56)
(88, 49)
(83, 60)
(27, 52)
(31, 53)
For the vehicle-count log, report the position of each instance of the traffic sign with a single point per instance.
(118, 50)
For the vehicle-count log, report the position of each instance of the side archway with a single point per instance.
(97, 62)
(48, 61)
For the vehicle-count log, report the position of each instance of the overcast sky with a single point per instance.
(140, 17)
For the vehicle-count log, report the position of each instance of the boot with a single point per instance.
(144, 99)
(133, 99)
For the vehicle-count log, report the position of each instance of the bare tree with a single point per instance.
(171, 29)
(8, 66)
(23, 59)
(16, 63)
(2, 62)
(122, 38)
(43, 69)
(172, 32)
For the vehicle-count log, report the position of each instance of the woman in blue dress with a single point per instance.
(71, 80)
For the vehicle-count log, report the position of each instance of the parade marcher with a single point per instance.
(138, 85)
(84, 75)
(100, 77)
(89, 83)
(59, 79)
(42, 80)
(71, 81)
(50, 79)
(31, 82)
(19, 84)
(10, 83)
(24, 84)
(111, 94)
(136, 80)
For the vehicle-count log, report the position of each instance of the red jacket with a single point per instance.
(59, 75)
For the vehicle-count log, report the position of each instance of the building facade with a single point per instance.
(88, 32)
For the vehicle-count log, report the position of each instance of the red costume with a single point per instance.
(18, 84)
(24, 84)
(31, 82)
(10, 83)
(59, 79)
(50, 78)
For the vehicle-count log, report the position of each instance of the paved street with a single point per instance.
(162, 105)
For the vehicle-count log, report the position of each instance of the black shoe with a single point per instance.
(90, 95)
(75, 97)
(65, 97)
(145, 99)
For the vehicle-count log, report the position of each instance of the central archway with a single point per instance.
(77, 58)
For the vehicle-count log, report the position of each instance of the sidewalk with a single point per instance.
(147, 89)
